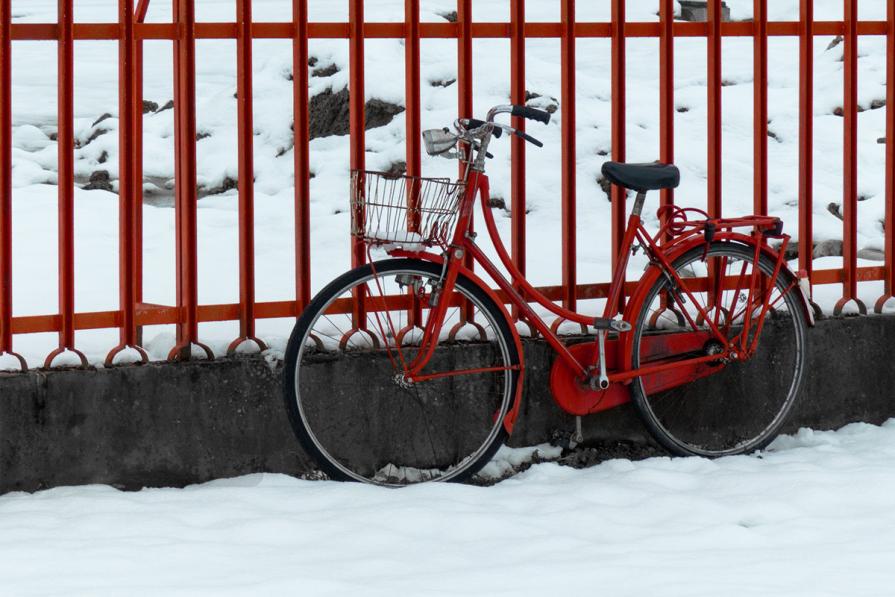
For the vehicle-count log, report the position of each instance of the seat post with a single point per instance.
(638, 203)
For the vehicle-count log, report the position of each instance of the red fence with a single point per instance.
(131, 31)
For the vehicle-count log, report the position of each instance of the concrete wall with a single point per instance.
(176, 424)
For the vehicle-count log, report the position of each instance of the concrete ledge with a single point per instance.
(176, 424)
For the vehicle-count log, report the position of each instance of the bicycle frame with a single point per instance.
(518, 292)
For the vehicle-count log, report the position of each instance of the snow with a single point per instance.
(96, 217)
(812, 516)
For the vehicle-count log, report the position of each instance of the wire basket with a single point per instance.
(404, 211)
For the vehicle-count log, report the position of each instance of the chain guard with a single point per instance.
(574, 395)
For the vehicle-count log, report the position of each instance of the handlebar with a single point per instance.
(476, 134)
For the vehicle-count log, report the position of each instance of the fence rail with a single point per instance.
(131, 31)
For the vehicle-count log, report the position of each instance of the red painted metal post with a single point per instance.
(66, 186)
(806, 137)
(464, 99)
(618, 132)
(246, 182)
(302, 155)
(357, 123)
(6, 183)
(412, 85)
(139, 17)
(714, 108)
(127, 183)
(185, 179)
(889, 283)
(464, 60)
(412, 128)
(666, 95)
(850, 163)
(569, 181)
(517, 145)
(760, 107)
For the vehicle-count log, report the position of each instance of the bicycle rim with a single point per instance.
(734, 407)
(355, 414)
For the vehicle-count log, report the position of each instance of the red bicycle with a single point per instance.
(410, 368)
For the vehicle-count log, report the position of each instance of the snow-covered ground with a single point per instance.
(812, 516)
(96, 220)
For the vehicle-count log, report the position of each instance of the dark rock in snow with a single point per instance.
(325, 71)
(871, 254)
(396, 170)
(881, 140)
(105, 116)
(606, 186)
(99, 181)
(329, 113)
(497, 202)
(228, 184)
(445, 83)
(828, 248)
(99, 132)
(834, 209)
(167, 106)
(450, 17)
(697, 10)
(877, 104)
(103, 157)
(149, 106)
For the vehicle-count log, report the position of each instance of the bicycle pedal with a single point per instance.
(616, 325)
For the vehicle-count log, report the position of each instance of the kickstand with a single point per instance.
(577, 437)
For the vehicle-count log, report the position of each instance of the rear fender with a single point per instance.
(511, 416)
(674, 251)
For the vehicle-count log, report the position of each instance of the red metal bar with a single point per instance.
(283, 30)
(301, 154)
(246, 178)
(850, 162)
(127, 183)
(412, 85)
(464, 99)
(569, 236)
(357, 141)
(66, 185)
(806, 137)
(6, 339)
(185, 179)
(138, 177)
(714, 108)
(666, 95)
(618, 132)
(141, 10)
(517, 145)
(760, 107)
(889, 284)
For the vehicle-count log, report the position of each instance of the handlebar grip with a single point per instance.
(476, 123)
(531, 113)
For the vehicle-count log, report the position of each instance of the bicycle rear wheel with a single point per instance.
(731, 408)
(348, 402)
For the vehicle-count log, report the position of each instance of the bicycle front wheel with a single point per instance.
(731, 408)
(345, 391)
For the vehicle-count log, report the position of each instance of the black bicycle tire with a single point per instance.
(640, 400)
(338, 285)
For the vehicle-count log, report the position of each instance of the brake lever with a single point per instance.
(529, 138)
(476, 123)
